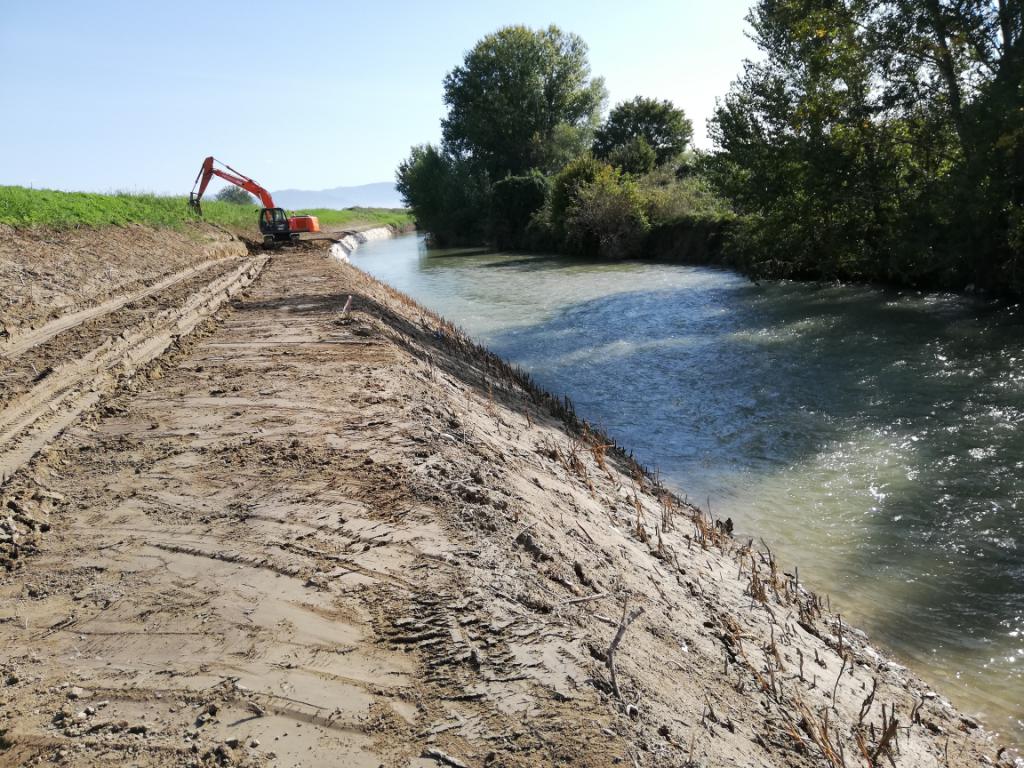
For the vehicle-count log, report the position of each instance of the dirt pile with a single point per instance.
(327, 529)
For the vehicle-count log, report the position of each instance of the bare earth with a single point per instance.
(311, 537)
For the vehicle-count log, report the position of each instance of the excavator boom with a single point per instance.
(208, 171)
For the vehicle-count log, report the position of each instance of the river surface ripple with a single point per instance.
(872, 437)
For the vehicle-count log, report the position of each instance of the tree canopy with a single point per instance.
(235, 195)
(521, 99)
(879, 139)
(660, 124)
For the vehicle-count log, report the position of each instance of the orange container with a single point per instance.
(304, 224)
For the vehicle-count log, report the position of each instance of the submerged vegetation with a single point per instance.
(874, 139)
(23, 207)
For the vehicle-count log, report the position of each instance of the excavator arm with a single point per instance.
(275, 225)
(208, 171)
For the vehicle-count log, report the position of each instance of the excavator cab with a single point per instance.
(274, 226)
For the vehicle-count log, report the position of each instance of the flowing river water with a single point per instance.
(873, 438)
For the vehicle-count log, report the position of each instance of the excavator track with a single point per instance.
(31, 419)
(16, 346)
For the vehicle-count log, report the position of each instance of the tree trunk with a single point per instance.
(947, 68)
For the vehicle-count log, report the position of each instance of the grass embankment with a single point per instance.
(22, 207)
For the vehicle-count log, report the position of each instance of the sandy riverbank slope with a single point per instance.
(306, 537)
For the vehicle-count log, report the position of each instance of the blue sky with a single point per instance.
(105, 96)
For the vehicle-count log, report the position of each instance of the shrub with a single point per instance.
(568, 182)
(607, 217)
(635, 156)
(671, 198)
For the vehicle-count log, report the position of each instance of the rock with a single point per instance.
(77, 693)
(41, 494)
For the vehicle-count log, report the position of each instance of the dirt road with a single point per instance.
(308, 536)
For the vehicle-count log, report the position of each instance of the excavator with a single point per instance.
(275, 225)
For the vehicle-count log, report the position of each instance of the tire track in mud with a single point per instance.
(196, 602)
(35, 363)
(19, 344)
(31, 419)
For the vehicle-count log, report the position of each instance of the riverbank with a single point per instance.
(866, 435)
(324, 531)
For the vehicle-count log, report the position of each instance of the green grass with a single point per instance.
(399, 217)
(21, 207)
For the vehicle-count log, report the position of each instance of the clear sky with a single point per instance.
(104, 96)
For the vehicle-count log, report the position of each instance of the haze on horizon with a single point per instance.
(111, 96)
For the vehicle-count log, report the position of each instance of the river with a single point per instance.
(873, 438)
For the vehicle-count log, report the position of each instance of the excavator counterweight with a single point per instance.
(275, 225)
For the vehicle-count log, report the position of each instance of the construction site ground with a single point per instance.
(315, 525)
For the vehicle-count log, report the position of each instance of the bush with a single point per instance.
(607, 217)
(635, 156)
(568, 182)
(671, 198)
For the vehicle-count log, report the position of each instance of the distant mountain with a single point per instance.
(380, 195)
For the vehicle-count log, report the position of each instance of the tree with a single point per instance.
(880, 139)
(514, 201)
(448, 199)
(235, 196)
(664, 127)
(518, 99)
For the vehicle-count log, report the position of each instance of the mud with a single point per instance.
(46, 274)
(312, 536)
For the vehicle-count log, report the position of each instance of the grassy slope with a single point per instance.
(21, 207)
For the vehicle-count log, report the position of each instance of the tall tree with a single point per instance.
(880, 139)
(521, 99)
(663, 126)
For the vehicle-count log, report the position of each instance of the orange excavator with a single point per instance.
(275, 225)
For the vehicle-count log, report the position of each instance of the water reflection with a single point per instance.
(872, 436)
